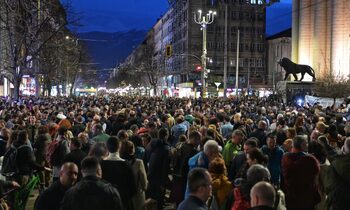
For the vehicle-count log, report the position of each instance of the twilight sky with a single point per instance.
(123, 15)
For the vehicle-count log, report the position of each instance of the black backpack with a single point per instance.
(9, 166)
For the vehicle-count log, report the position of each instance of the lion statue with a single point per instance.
(293, 68)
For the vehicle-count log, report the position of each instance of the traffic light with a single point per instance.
(198, 68)
(168, 51)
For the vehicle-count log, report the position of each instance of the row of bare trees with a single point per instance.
(34, 42)
(141, 68)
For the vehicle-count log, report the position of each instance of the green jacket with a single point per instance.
(101, 138)
(230, 151)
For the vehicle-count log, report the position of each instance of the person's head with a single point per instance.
(271, 141)
(65, 123)
(43, 129)
(300, 143)
(199, 183)
(255, 156)
(127, 150)
(182, 138)
(262, 125)
(211, 149)
(75, 144)
(83, 137)
(42, 138)
(99, 150)
(123, 135)
(134, 128)
(287, 145)
(257, 173)
(163, 134)
(62, 130)
(5, 133)
(299, 122)
(237, 137)
(180, 119)
(321, 127)
(291, 133)
(113, 144)
(195, 138)
(68, 174)
(97, 129)
(22, 138)
(250, 144)
(217, 166)
(318, 150)
(262, 194)
(146, 139)
(90, 166)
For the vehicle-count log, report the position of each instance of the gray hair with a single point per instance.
(211, 146)
(257, 173)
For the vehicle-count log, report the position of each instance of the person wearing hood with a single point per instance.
(337, 183)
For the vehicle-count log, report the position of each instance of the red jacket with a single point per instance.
(300, 172)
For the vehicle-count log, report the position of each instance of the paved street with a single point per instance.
(30, 204)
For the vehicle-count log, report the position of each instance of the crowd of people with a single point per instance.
(133, 153)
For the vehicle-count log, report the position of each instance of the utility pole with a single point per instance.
(204, 20)
(237, 62)
(225, 53)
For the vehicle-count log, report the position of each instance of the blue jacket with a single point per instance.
(274, 163)
(199, 160)
(176, 131)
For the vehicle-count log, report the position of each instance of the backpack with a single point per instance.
(9, 166)
(53, 151)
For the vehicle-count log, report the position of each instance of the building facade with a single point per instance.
(246, 16)
(178, 32)
(178, 44)
(278, 47)
(321, 36)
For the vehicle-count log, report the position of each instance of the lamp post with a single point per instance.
(204, 20)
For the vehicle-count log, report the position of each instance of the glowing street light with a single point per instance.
(204, 20)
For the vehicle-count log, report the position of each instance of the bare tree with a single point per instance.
(145, 64)
(333, 87)
(27, 27)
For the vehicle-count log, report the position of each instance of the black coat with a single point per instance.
(120, 174)
(92, 193)
(236, 164)
(51, 198)
(25, 161)
(158, 158)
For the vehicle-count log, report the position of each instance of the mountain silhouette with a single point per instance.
(107, 50)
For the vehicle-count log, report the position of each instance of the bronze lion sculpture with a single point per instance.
(292, 68)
